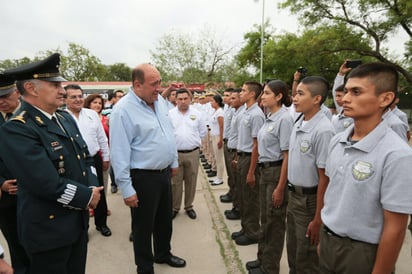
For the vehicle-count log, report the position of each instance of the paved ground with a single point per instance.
(201, 242)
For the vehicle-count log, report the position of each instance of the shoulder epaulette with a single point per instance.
(20, 117)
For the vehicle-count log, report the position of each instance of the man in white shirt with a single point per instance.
(189, 129)
(91, 128)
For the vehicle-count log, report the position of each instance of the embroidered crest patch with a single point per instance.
(362, 170)
(304, 146)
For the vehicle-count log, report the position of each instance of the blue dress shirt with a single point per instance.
(140, 137)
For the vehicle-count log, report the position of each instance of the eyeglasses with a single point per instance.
(75, 97)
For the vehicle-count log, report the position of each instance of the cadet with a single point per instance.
(9, 105)
(48, 157)
(306, 174)
(273, 146)
(238, 107)
(250, 123)
(368, 199)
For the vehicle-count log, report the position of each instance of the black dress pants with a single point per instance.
(152, 217)
(69, 259)
(100, 212)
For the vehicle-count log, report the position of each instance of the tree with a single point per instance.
(374, 20)
(9, 63)
(284, 53)
(191, 58)
(117, 72)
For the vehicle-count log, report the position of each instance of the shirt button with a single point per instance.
(84, 173)
(51, 217)
(78, 156)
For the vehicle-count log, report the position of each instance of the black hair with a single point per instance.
(340, 88)
(317, 85)
(218, 99)
(384, 76)
(277, 87)
(255, 87)
(182, 90)
(73, 86)
(229, 90)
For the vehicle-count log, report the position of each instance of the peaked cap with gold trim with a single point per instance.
(46, 70)
(7, 85)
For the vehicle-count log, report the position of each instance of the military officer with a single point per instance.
(9, 104)
(56, 179)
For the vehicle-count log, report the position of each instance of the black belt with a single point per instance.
(270, 164)
(163, 170)
(242, 153)
(328, 231)
(188, 151)
(303, 190)
(231, 149)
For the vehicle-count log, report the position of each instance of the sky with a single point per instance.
(124, 31)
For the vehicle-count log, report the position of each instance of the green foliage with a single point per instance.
(78, 64)
(373, 20)
(191, 58)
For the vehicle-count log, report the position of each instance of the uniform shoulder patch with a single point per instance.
(20, 117)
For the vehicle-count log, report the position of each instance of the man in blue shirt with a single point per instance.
(144, 157)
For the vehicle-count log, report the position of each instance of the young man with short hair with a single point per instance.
(367, 202)
(309, 140)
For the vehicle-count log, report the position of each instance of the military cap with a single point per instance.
(7, 85)
(46, 70)
(210, 93)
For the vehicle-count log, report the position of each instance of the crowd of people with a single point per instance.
(333, 185)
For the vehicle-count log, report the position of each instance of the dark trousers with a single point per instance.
(152, 217)
(112, 178)
(228, 165)
(100, 212)
(273, 221)
(8, 226)
(346, 256)
(64, 260)
(249, 198)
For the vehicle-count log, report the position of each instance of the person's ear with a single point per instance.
(30, 88)
(317, 99)
(386, 99)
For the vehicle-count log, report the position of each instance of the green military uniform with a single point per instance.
(53, 173)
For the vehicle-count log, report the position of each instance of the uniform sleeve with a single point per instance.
(339, 80)
(25, 151)
(396, 188)
(202, 126)
(321, 147)
(285, 131)
(257, 123)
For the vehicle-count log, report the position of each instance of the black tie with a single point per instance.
(56, 121)
(8, 116)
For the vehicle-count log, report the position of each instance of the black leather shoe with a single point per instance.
(131, 237)
(237, 234)
(114, 189)
(104, 230)
(172, 260)
(252, 264)
(245, 240)
(207, 166)
(203, 160)
(211, 174)
(227, 198)
(191, 213)
(233, 215)
(174, 213)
